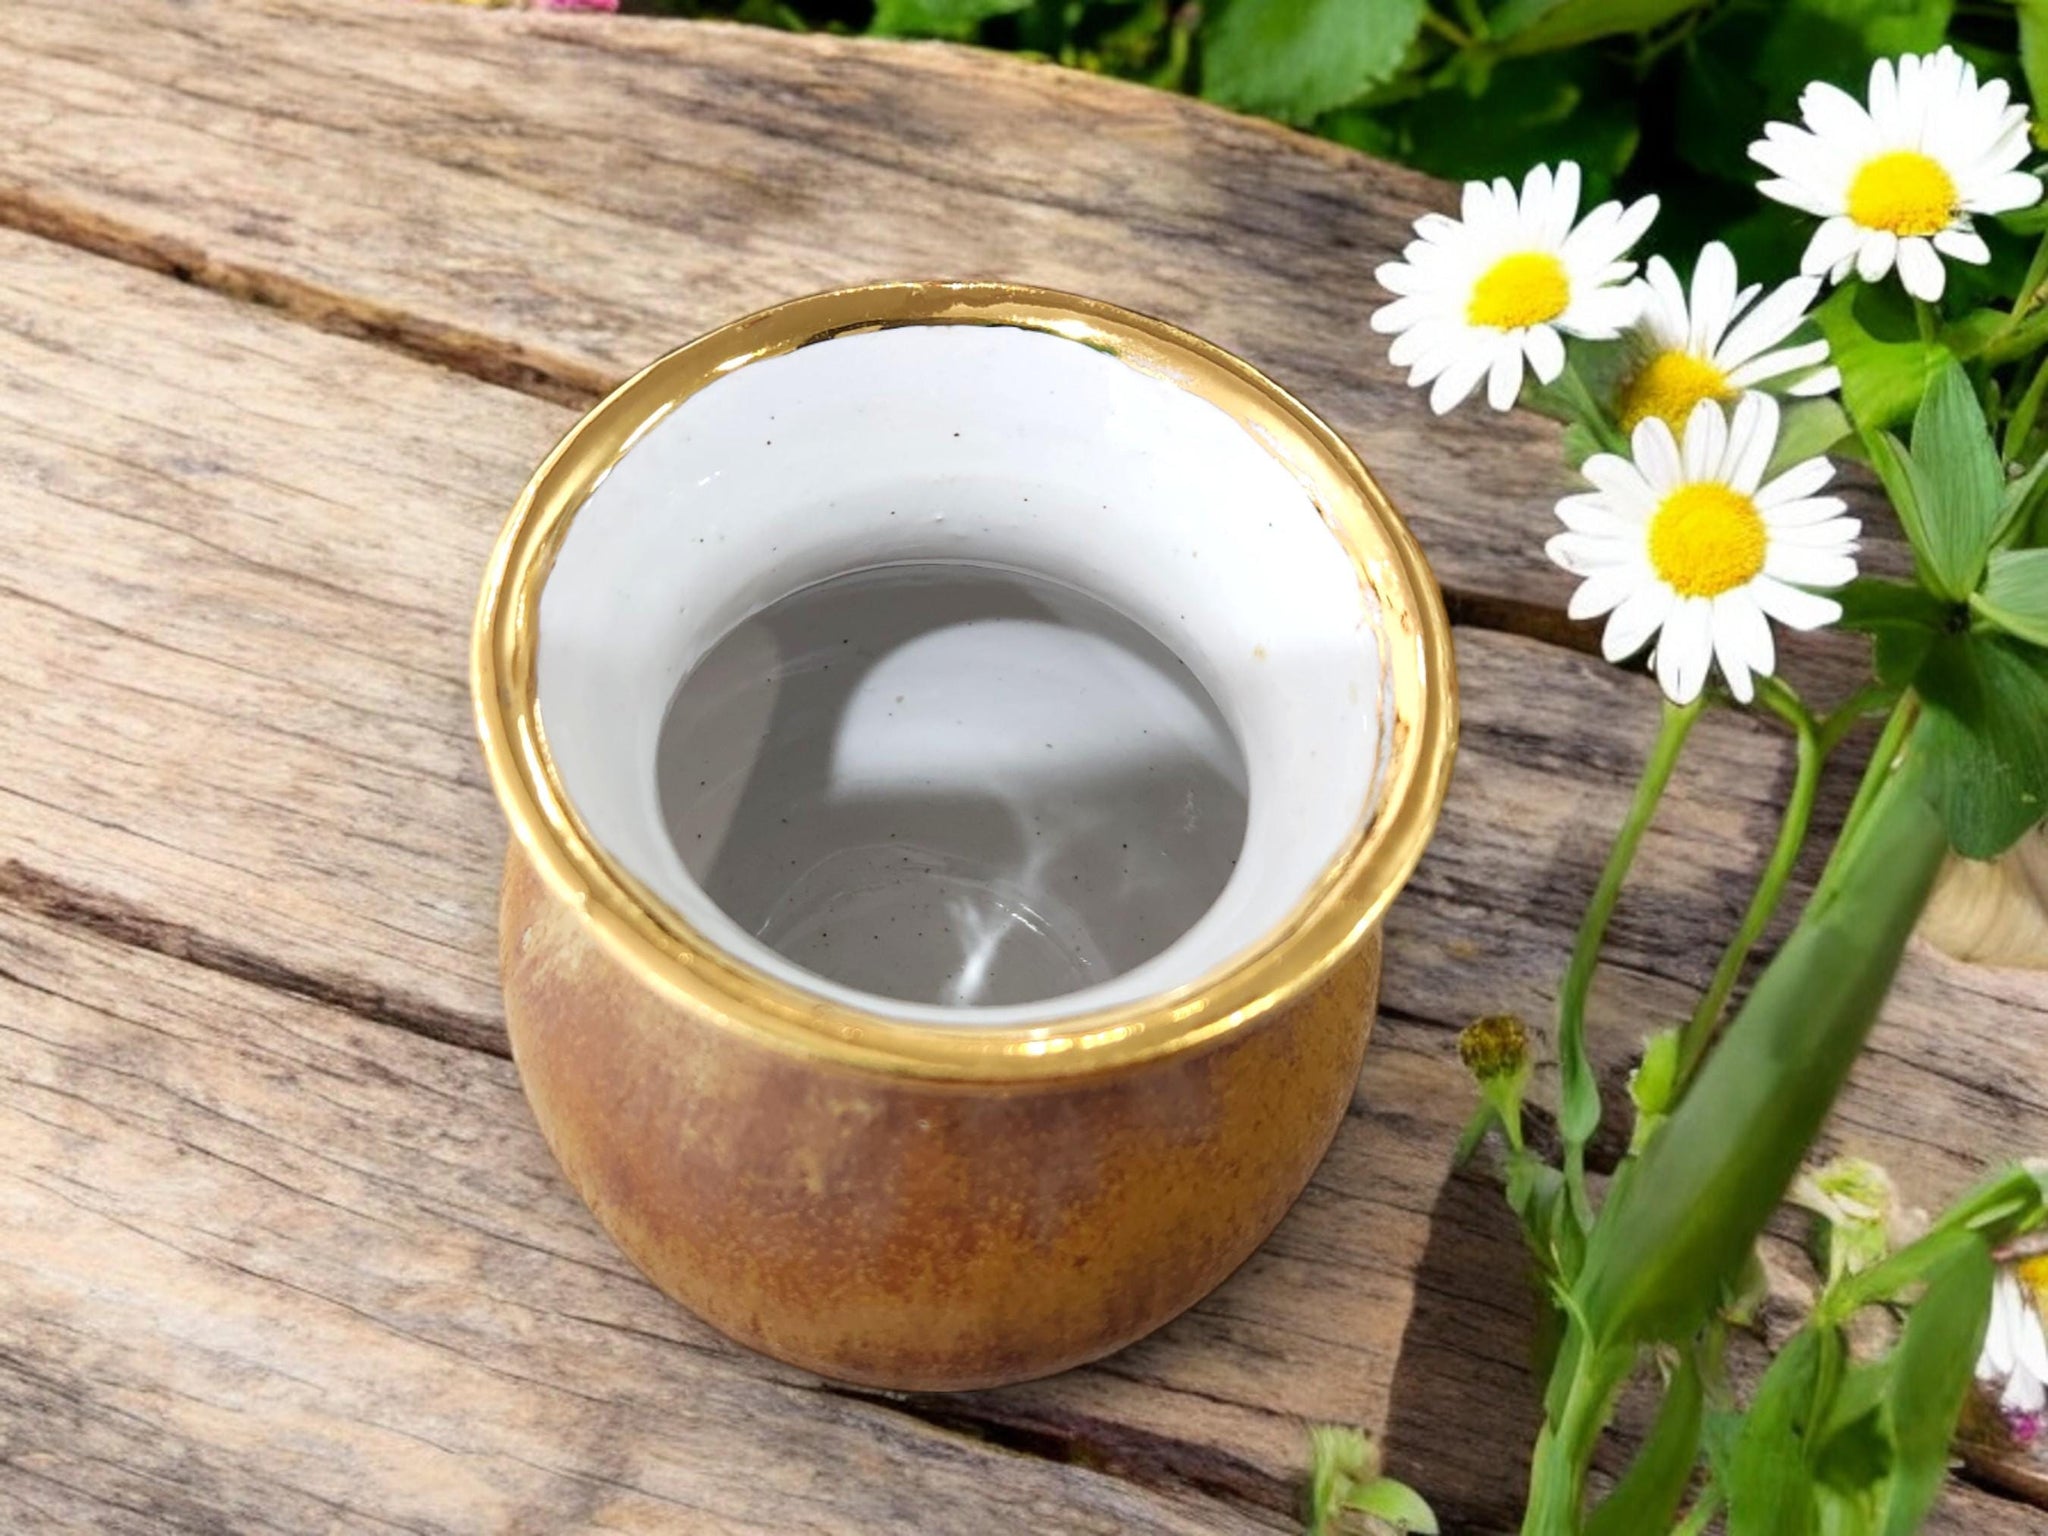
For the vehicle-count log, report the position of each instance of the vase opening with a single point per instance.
(963, 673)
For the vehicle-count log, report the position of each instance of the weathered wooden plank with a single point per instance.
(241, 613)
(271, 1267)
(231, 732)
(553, 201)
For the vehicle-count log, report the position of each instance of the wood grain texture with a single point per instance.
(552, 202)
(236, 773)
(234, 733)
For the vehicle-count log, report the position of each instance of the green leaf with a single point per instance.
(956, 19)
(1647, 1496)
(1898, 655)
(1861, 29)
(2021, 495)
(1658, 1075)
(1856, 1455)
(1297, 59)
(1987, 738)
(1907, 486)
(1397, 1505)
(1808, 428)
(1770, 1491)
(1885, 367)
(1533, 26)
(2033, 16)
(2015, 593)
(1963, 482)
(1871, 603)
(1931, 1371)
(1663, 1248)
(1967, 335)
(1531, 111)
(1340, 1459)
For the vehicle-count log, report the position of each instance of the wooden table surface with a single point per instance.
(293, 295)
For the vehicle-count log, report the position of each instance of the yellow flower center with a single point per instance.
(1527, 288)
(1668, 386)
(1905, 192)
(1706, 539)
(2033, 1275)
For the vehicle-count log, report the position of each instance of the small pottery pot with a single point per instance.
(939, 1069)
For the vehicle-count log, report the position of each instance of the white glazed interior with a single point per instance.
(992, 444)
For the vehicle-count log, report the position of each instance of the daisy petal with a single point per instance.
(1638, 617)
(1504, 379)
(1921, 270)
(1796, 483)
(1545, 353)
(1880, 248)
(1791, 607)
(1685, 649)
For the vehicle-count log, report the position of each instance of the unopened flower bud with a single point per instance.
(1495, 1046)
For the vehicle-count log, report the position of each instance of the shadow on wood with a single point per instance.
(1467, 1401)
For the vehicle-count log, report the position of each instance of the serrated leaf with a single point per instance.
(1647, 1496)
(1297, 59)
(1534, 26)
(1531, 111)
(1770, 1491)
(1962, 484)
(1397, 1505)
(1860, 29)
(1987, 738)
(1931, 1370)
(2015, 593)
(957, 19)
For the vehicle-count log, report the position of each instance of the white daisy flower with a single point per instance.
(1897, 181)
(1481, 295)
(2014, 1360)
(1688, 545)
(1722, 342)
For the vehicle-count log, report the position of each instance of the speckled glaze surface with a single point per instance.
(912, 1234)
(924, 1196)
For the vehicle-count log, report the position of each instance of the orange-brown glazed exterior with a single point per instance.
(908, 1232)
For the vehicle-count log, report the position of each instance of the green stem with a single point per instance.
(1579, 395)
(1564, 1450)
(1850, 712)
(2037, 273)
(1701, 1515)
(1449, 31)
(2019, 426)
(1929, 322)
(1580, 1113)
(1874, 775)
(1706, 1018)
(2016, 342)
(1475, 18)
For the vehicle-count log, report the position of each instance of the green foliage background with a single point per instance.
(1660, 95)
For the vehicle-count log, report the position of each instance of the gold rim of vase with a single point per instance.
(652, 940)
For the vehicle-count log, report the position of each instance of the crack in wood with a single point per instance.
(529, 370)
(1132, 1454)
(509, 365)
(44, 895)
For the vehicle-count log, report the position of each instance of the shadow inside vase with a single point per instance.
(952, 784)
